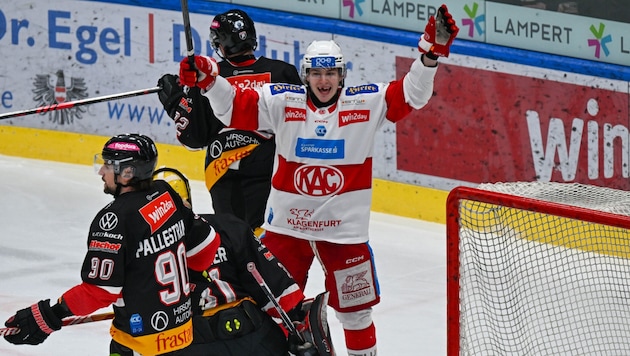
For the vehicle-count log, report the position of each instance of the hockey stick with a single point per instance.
(71, 320)
(251, 267)
(190, 51)
(72, 104)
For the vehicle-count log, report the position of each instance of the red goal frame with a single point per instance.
(452, 240)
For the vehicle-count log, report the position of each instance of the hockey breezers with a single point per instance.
(71, 320)
(315, 331)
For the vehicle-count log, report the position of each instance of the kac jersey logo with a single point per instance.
(318, 181)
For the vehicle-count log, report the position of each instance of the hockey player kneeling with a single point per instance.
(314, 338)
(233, 314)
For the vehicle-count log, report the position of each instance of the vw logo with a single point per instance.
(108, 221)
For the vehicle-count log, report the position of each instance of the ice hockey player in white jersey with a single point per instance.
(320, 199)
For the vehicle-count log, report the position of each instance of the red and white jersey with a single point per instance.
(322, 182)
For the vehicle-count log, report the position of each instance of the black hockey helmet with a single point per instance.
(235, 31)
(131, 150)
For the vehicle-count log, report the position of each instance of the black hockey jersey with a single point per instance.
(245, 157)
(139, 249)
(228, 279)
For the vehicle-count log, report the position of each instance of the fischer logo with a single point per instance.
(158, 211)
(318, 181)
(354, 116)
(294, 114)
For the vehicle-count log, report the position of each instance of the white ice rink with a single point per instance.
(45, 212)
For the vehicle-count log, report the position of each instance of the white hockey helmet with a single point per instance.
(322, 54)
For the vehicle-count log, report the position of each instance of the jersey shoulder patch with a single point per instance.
(362, 89)
(280, 88)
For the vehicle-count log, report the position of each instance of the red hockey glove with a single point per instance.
(202, 74)
(35, 323)
(438, 34)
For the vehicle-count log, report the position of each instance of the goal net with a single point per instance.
(538, 269)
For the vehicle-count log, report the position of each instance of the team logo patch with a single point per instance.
(215, 149)
(158, 211)
(159, 321)
(353, 116)
(355, 285)
(318, 181)
(108, 221)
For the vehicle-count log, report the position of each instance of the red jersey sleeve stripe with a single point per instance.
(201, 256)
(245, 110)
(397, 107)
(86, 298)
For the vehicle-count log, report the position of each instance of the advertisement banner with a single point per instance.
(558, 33)
(317, 8)
(489, 126)
(58, 52)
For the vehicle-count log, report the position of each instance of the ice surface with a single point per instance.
(45, 212)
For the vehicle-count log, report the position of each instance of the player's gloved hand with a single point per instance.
(170, 94)
(35, 323)
(438, 35)
(311, 323)
(301, 348)
(202, 74)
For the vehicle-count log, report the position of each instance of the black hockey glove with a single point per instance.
(171, 93)
(312, 325)
(299, 348)
(35, 323)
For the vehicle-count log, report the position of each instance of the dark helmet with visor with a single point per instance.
(234, 30)
(131, 150)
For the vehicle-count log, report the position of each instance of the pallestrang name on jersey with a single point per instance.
(160, 241)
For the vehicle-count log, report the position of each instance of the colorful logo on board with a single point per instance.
(600, 41)
(474, 22)
(353, 5)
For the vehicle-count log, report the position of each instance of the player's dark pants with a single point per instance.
(239, 331)
(244, 330)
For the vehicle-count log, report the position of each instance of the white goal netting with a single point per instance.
(544, 275)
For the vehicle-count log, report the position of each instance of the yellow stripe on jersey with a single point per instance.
(156, 344)
(219, 166)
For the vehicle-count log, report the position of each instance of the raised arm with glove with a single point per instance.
(439, 34)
